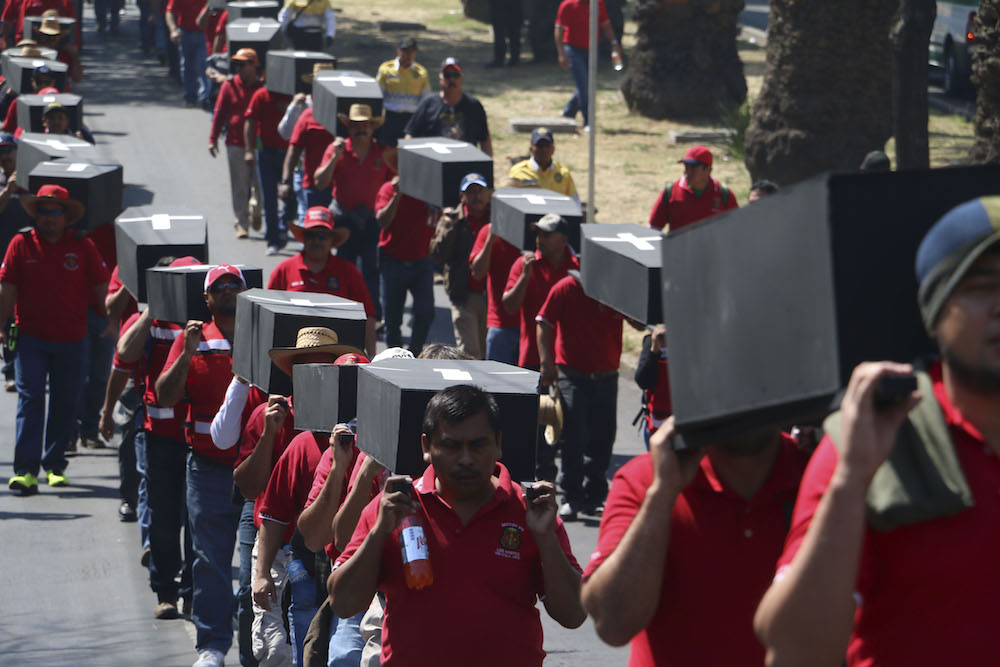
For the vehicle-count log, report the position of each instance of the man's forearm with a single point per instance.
(100, 292)
(116, 303)
(562, 584)
(249, 135)
(291, 158)
(543, 336)
(316, 521)
(352, 585)
(514, 299)
(347, 517)
(252, 475)
(132, 344)
(558, 37)
(8, 297)
(170, 385)
(171, 22)
(487, 146)
(386, 216)
(323, 176)
(269, 538)
(116, 385)
(480, 264)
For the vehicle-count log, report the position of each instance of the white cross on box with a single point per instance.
(305, 302)
(348, 81)
(254, 27)
(437, 147)
(56, 144)
(640, 242)
(535, 199)
(162, 221)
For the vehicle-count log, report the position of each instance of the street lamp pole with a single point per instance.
(592, 109)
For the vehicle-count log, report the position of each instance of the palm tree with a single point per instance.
(986, 77)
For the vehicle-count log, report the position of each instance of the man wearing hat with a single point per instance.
(52, 35)
(47, 280)
(693, 197)
(540, 170)
(55, 120)
(404, 85)
(451, 244)
(182, 25)
(15, 13)
(452, 113)
(316, 270)
(230, 109)
(357, 167)
(893, 544)
(197, 371)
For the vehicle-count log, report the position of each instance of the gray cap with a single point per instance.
(552, 222)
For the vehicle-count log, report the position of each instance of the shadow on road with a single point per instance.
(41, 516)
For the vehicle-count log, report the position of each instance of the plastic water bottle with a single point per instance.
(296, 571)
(616, 61)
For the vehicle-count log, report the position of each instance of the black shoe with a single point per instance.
(207, 105)
(144, 558)
(126, 514)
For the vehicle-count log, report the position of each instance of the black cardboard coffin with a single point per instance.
(620, 267)
(97, 186)
(325, 395)
(285, 70)
(335, 91)
(393, 394)
(252, 9)
(515, 209)
(16, 51)
(146, 234)
(431, 169)
(34, 148)
(18, 72)
(273, 319)
(30, 108)
(67, 25)
(771, 306)
(259, 34)
(177, 294)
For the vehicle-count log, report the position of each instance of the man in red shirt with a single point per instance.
(491, 258)
(892, 552)
(230, 109)
(407, 228)
(309, 142)
(263, 114)
(680, 532)
(693, 197)
(588, 346)
(182, 24)
(198, 369)
(316, 270)
(531, 277)
(572, 36)
(47, 280)
(486, 542)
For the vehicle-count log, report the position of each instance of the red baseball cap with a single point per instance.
(351, 358)
(697, 155)
(221, 270)
(186, 261)
(49, 90)
(320, 216)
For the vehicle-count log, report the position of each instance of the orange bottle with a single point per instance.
(416, 557)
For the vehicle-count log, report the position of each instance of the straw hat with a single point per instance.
(50, 24)
(30, 52)
(317, 68)
(53, 194)
(310, 340)
(550, 414)
(360, 113)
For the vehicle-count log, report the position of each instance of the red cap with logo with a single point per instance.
(186, 261)
(697, 155)
(351, 358)
(221, 270)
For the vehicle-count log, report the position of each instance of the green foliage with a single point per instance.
(736, 119)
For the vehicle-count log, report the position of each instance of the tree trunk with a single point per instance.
(685, 64)
(986, 77)
(826, 98)
(911, 33)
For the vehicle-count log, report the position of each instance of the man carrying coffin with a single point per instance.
(486, 542)
(47, 280)
(198, 369)
(877, 564)
(316, 270)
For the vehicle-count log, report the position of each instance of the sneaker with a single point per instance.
(24, 485)
(210, 658)
(94, 442)
(273, 250)
(10, 386)
(126, 514)
(186, 608)
(567, 512)
(56, 478)
(593, 509)
(71, 448)
(144, 558)
(165, 610)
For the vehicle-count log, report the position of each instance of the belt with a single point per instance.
(574, 374)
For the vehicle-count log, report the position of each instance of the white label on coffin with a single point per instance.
(306, 302)
(442, 149)
(537, 200)
(49, 98)
(161, 221)
(454, 374)
(161, 215)
(253, 27)
(77, 166)
(640, 242)
(301, 54)
(349, 81)
(37, 63)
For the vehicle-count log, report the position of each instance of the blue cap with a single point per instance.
(7, 139)
(42, 69)
(472, 179)
(541, 134)
(950, 248)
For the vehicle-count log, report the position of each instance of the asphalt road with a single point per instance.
(75, 592)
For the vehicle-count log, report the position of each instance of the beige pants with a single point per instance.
(371, 632)
(268, 638)
(241, 176)
(469, 322)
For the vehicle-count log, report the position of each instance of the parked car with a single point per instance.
(950, 53)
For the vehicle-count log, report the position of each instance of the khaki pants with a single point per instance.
(241, 177)
(268, 637)
(469, 322)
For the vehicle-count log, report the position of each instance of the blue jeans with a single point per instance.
(62, 364)
(345, 641)
(502, 344)
(214, 521)
(146, 29)
(300, 614)
(244, 614)
(578, 69)
(398, 277)
(362, 244)
(166, 471)
(141, 468)
(192, 48)
(102, 10)
(100, 353)
(269, 163)
(165, 46)
(300, 194)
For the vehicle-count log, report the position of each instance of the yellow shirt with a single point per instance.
(527, 174)
(402, 89)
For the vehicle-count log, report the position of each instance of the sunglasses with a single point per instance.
(50, 212)
(219, 287)
(452, 75)
(316, 236)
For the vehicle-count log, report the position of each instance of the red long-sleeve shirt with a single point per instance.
(230, 108)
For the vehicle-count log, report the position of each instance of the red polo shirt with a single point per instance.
(927, 590)
(319, 479)
(543, 277)
(220, 29)
(684, 207)
(493, 561)
(186, 13)
(409, 236)
(339, 278)
(356, 182)
(588, 333)
(503, 256)
(285, 496)
(313, 139)
(55, 284)
(267, 109)
(719, 561)
(252, 432)
(212, 18)
(574, 17)
(115, 284)
(165, 422)
(230, 109)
